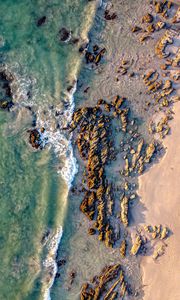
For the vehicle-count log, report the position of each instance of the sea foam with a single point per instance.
(50, 263)
(58, 139)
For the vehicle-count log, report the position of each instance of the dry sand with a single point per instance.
(160, 193)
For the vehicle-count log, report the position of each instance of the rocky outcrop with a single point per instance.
(136, 245)
(110, 284)
(124, 211)
(35, 137)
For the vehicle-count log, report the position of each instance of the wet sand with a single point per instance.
(160, 193)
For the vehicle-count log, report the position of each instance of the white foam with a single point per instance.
(21, 85)
(50, 262)
(58, 139)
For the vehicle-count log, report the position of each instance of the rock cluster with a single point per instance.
(96, 149)
(162, 90)
(151, 24)
(110, 284)
(158, 231)
(95, 56)
(150, 239)
(109, 16)
(139, 157)
(95, 145)
(165, 40)
(35, 138)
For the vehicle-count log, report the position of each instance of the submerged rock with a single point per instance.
(35, 137)
(64, 34)
(6, 79)
(41, 21)
(6, 105)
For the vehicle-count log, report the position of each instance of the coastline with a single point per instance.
(105, 130)
(133, 89)
(78, 220)
(160, 194)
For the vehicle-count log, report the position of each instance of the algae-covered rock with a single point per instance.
(159, 6)
(144, 37)
(159, 25)
(159, 251)
(91, 231)
(136, 245)
(155, 86)
(163, 127)
(109, 285)
(124, 116)
(147, 228)
(140, 165)
(149, 152)
(35, 137)
(109, 236)
(110, 200)
(123, 249)
(123, 289)
(110, 293)
(164, 233)
(87, 292)
(176, 60)
(165, 40)
(176, 18)
(126, 168)
(136, 156)
(124, 211)
(167, 84)
(148, 18)
(88, 205)
(136, 29)
(150, 28)
(108, 274)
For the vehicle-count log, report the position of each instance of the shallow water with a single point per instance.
(34, 185)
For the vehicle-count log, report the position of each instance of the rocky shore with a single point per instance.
(122, 115)
(107, 202)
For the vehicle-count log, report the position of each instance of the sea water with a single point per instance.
(34, 184)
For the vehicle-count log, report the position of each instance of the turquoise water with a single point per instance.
(34, 184)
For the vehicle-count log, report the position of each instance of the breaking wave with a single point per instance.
(55, 122)
(50, 262)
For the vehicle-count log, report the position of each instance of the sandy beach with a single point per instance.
(160, 194)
